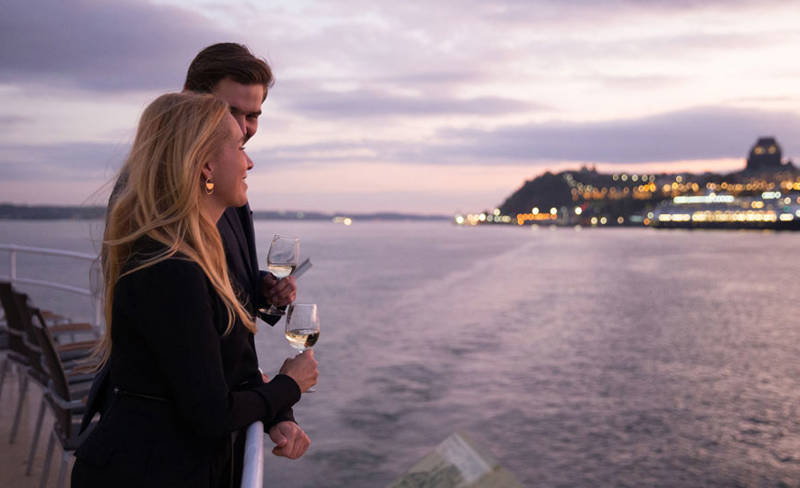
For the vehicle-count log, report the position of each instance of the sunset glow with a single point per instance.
(432, 107)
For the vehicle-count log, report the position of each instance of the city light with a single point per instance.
(755, 199)
(522, 218)
(704, 199)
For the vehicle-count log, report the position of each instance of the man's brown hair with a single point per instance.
(227, 60)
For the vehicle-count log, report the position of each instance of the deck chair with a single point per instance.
(17, 355)
(66, 405)
(76, 358)
(23, 347)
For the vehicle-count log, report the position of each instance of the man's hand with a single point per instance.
(279, 292)
(302, 369)
(290, 440)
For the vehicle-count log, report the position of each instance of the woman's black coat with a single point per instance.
(170, 418)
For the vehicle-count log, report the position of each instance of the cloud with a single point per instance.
(455, 75)
(693, 134)
(69, 163)
(98, 45)
(697, 133)
(376, 103)
(8, 121)
(541, 13)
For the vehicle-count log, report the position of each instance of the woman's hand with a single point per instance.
(302, 369)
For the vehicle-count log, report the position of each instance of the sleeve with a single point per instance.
(286, 415)
(175, 312)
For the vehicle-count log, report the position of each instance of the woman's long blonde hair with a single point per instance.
(176, 138)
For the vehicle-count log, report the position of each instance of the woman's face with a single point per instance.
(229, 166)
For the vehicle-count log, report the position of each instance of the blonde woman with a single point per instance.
(170, 304)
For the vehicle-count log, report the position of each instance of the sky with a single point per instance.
(430, 107)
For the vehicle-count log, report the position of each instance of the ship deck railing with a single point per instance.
(13, 250)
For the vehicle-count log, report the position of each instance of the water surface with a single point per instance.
(601, 357)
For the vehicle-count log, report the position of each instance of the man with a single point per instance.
(232, 73)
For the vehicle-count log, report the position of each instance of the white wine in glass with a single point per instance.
(302, 327)
(282, 259)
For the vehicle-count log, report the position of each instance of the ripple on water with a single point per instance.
(395, 393)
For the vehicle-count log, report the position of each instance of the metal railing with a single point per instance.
(253, 468)
(13, 250)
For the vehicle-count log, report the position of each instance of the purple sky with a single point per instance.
(430, 107)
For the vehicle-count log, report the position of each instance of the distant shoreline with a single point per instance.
(67, 212)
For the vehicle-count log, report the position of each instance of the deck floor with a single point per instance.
(12, 456)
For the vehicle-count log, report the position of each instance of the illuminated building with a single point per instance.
(586, 197)
(765, 155)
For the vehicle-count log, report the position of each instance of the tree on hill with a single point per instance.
(547, 190)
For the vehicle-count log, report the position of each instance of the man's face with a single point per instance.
(245, 102)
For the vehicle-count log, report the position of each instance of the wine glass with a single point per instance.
(282, 259)
(302, 327)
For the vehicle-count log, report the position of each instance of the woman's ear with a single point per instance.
(207, 171)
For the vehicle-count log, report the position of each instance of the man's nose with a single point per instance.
(249, 162)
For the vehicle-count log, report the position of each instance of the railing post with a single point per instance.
(97, 297)
(12, 265)
(98, 311)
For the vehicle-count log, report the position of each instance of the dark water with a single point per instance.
(595, 358)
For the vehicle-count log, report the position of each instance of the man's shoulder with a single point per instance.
(235, 216)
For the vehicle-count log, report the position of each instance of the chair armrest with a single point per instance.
(80, 391)
(76, 346)
(80, 378)
(63, 402)
(51, 316)
(80, 367)
(70, 327)
(72, 357)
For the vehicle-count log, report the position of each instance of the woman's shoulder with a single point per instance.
(147, 263)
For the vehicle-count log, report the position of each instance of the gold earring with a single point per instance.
(209, 186)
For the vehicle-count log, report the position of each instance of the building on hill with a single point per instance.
(765, 155)
(766, 191)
